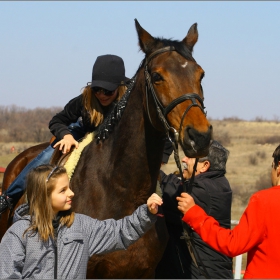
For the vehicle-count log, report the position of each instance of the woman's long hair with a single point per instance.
(93, 106)
(40, 183)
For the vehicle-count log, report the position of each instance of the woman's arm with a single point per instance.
(58, 125)
(60, 122)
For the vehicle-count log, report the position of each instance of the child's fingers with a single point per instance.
(153, 208)
(157, 202)
(154, 198)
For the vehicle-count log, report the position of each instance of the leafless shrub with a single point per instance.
(25, 125)
(232, 119)
(241, 193)
(223, 138)
(253, 160)
(264, 181)
(276, 118)
(259, 119)
(261, 154)
(275, 139)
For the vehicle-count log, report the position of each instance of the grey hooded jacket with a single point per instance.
(29, 257)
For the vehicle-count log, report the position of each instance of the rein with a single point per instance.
(162, 114)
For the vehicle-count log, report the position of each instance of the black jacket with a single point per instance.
(213, 193)
(72, 111)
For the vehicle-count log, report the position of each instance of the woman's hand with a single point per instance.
(66, 143)
(153, 202)
(185, 202)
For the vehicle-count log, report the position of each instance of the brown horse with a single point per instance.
(118, 172)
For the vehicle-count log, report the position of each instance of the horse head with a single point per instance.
(174, 94)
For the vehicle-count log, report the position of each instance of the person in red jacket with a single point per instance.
(257, 232)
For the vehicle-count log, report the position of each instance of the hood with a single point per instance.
(22, 212)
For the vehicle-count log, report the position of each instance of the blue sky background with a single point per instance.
(48, 49)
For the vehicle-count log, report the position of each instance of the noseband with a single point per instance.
(163, 111)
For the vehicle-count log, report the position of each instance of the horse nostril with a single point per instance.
(197, 139)
(191, 133)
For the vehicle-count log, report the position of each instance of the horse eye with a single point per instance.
(156, 77)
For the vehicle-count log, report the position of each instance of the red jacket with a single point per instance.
(257, 233)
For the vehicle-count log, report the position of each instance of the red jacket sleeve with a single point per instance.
(247, 234)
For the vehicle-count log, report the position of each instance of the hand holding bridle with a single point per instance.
(185, 202)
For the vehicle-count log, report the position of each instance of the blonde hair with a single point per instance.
(92, 105)
(40, 183)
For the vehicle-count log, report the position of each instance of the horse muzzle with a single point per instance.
(195, 144)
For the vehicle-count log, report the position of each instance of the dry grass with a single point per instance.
(6, 155)
(242, 172)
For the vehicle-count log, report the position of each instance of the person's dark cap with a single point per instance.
(167, 151)
(108, 72)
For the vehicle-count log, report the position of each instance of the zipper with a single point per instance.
(55, 260)
(55, 252)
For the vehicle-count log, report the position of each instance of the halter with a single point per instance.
(164, 111)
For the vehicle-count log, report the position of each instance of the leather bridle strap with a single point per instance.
(182, 98)
(162, 113)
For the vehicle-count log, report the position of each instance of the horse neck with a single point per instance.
(146, 142)
(135, 144)
(120, 173)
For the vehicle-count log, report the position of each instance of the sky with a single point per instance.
(48, 48)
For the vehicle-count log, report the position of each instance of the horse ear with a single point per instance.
(146, 41)
(192, 37)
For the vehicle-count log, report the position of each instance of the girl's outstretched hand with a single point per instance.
(185, 202)
(153, 202)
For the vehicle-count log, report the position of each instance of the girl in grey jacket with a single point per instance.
(49, 241)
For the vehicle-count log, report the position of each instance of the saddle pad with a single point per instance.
(74, 157)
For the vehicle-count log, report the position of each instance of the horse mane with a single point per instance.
(114, 117)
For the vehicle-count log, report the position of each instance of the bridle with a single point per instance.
(162, 111)
(162, 114)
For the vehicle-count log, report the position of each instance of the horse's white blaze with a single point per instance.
(185, 64)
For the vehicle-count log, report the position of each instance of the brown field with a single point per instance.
(251, 145)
